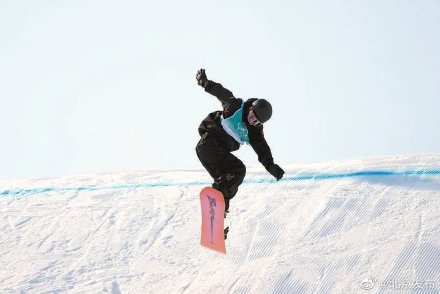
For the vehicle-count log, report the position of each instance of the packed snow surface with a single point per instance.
(333, 227)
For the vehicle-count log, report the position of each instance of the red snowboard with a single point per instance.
(212, 203)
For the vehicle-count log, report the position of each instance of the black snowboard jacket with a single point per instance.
(212, 124)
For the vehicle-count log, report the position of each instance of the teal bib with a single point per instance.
(235, 127)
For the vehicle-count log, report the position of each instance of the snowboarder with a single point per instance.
(222, 132)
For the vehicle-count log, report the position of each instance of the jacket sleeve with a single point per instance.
(260, 146)
(224, 95)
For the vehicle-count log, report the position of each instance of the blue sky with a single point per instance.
(103, 86)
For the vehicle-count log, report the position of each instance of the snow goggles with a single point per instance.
(252, 119)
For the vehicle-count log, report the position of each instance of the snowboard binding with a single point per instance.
(226, 232)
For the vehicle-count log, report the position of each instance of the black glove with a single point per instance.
(201, 78)
(276, 171)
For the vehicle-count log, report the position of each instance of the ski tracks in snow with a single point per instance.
(290, 236)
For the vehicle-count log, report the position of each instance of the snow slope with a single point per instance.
(326, 228)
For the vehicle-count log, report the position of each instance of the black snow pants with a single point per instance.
(227, 170)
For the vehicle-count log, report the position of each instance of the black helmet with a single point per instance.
(262, 110)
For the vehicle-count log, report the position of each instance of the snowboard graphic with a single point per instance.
(213, 209)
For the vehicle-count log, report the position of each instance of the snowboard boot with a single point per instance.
(226, 207)
(217, 187)
(226, 231)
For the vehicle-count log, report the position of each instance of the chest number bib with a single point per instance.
(235, 127)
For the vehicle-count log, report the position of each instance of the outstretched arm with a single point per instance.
(260, 146)
(224, 95)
